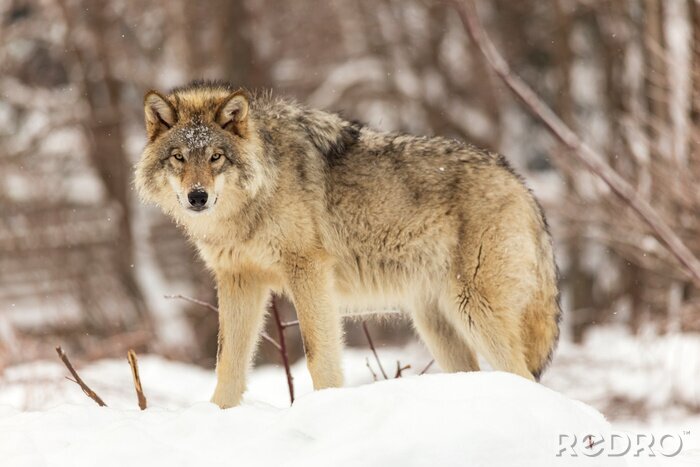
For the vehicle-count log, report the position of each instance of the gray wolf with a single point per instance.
(344, 219)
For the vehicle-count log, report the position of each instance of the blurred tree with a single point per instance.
(624, 74)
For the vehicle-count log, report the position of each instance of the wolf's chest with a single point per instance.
(225, 256)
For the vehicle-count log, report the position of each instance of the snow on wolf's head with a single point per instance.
(203, 153)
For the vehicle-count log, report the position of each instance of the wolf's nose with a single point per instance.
(197, 198)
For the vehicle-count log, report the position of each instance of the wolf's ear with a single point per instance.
(233, 113)
(160, 114)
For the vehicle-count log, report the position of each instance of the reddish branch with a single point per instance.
(283, 348)
(133, 363)
(581, 151)
(77, 379)
(399, 369)
(374, 350)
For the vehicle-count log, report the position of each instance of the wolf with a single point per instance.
(344, 219)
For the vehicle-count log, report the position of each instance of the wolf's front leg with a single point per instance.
(242, 299)
(320, 321)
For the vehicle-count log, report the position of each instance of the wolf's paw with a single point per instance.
(225, 399)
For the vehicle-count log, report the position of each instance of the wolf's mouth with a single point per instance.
(197, 209)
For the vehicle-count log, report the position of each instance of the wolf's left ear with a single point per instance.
(233, 113)
(160, 114)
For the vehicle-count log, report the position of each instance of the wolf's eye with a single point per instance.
(178, 157)
(216, 156)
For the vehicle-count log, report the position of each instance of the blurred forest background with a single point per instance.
(83, 263)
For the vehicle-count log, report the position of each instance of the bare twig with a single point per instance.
(208, 305)
(369, 367)
(581, 151)
(283, 348)
(133, 363)
(399, 369)
(195, 301)
(427, 367)
(86, 389)
(374, 350)
(271, 341)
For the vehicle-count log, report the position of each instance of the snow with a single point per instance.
(196, 136)
(649, 371)
(458, 419)
(486, 418)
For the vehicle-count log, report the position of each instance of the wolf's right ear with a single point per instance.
(160, 114)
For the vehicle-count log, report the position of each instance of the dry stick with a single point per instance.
(369, 367)
(195, 301)
(288, 324)
(399, 369)
(263, 334)
(580, 150)
(133, 363)
(374, 351)
(427, 367)
(76, 379)
(283, 348)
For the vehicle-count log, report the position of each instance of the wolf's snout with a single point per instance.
(197, 199)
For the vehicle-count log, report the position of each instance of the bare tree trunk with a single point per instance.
(616, 99)
(655, 66)
(106, 139)
(576, 279)
(239, 64)
(694, 133)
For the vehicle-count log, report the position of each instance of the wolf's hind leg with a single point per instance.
(449, 348)
(494, 329)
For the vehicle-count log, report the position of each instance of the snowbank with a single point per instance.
(485, 418)
(647, 370)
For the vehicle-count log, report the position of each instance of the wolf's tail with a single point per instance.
(542, 316)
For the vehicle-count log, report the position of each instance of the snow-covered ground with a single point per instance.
(486, 418)
(644, 380)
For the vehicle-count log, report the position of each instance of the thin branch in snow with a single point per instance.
(427, 367)
(374, 350)
(400, 369)
(283, 348)
(369, 367)
(133, 363)
(86, 389)
(581, 151)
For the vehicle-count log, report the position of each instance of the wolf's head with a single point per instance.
(203, 153)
